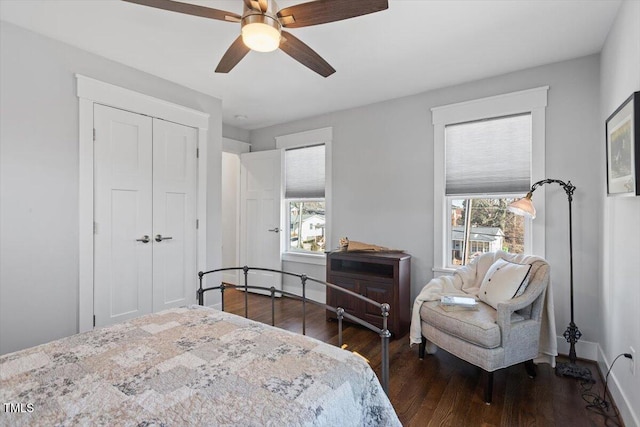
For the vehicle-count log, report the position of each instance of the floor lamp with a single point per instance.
(525, 208)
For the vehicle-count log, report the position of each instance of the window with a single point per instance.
(304, 195)
(306, 209)
(486, 157)
(487, 153)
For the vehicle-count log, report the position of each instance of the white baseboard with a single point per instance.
(584, 349)
(230, 277)
(627, 412)
(312, 294)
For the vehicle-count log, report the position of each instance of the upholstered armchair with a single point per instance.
(490, 337)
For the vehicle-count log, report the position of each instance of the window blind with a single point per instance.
(489, 156)
(304, 172)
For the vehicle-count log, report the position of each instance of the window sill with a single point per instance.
(318, 259)
(443, 271)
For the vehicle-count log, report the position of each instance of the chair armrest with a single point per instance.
(515, 304)
(506, 309)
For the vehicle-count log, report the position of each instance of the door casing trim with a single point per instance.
(91, 91)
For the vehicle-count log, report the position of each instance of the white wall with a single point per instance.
(383, 171)
(620, 291)
(233, 132)
(314, 291)
(39, 179)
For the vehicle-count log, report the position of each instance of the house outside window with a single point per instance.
(307, 225)
(479, 241)
(487, 153)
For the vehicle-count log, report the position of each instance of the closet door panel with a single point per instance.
(174, 214)
(122, 203)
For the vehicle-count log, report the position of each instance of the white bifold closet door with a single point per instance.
(145, 215)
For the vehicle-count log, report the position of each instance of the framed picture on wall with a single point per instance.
(623, 148)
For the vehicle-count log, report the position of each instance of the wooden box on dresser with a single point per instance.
(382, 277)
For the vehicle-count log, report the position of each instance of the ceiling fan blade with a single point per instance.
(189, 9)
(302, 53)
(323, 11)
(232, 56)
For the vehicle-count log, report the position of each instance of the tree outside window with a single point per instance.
(480, 225)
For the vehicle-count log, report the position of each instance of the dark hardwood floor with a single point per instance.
(442, 390)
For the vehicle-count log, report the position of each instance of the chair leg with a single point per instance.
(488, 387)
(421, 349)
(531, 368)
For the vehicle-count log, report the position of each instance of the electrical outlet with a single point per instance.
(632, 361)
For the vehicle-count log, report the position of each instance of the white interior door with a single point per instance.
(145, 215)
(174, 215)
(260, 199)
(123, 218)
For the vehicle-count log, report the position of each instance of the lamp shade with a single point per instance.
(261, 33)
(523, 207)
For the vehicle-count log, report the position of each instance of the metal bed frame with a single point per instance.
(384, 333)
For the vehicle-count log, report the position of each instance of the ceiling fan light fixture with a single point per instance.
(261, 33)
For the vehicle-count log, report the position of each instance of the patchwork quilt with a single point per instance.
(190, 366)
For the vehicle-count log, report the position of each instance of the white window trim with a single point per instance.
(302, 139)
(530, 100)
(90, 91)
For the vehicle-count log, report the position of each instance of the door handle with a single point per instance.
(145, 239)
(275, 230)
(160, 238)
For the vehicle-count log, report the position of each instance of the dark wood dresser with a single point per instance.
(382, 277)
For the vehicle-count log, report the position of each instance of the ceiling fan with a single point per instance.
(261, 26)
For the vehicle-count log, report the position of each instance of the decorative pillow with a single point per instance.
(504, 280)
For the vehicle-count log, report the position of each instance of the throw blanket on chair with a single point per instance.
(465, 281)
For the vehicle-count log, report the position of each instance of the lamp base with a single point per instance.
(572, 370)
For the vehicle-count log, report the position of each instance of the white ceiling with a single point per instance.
(414, 46)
